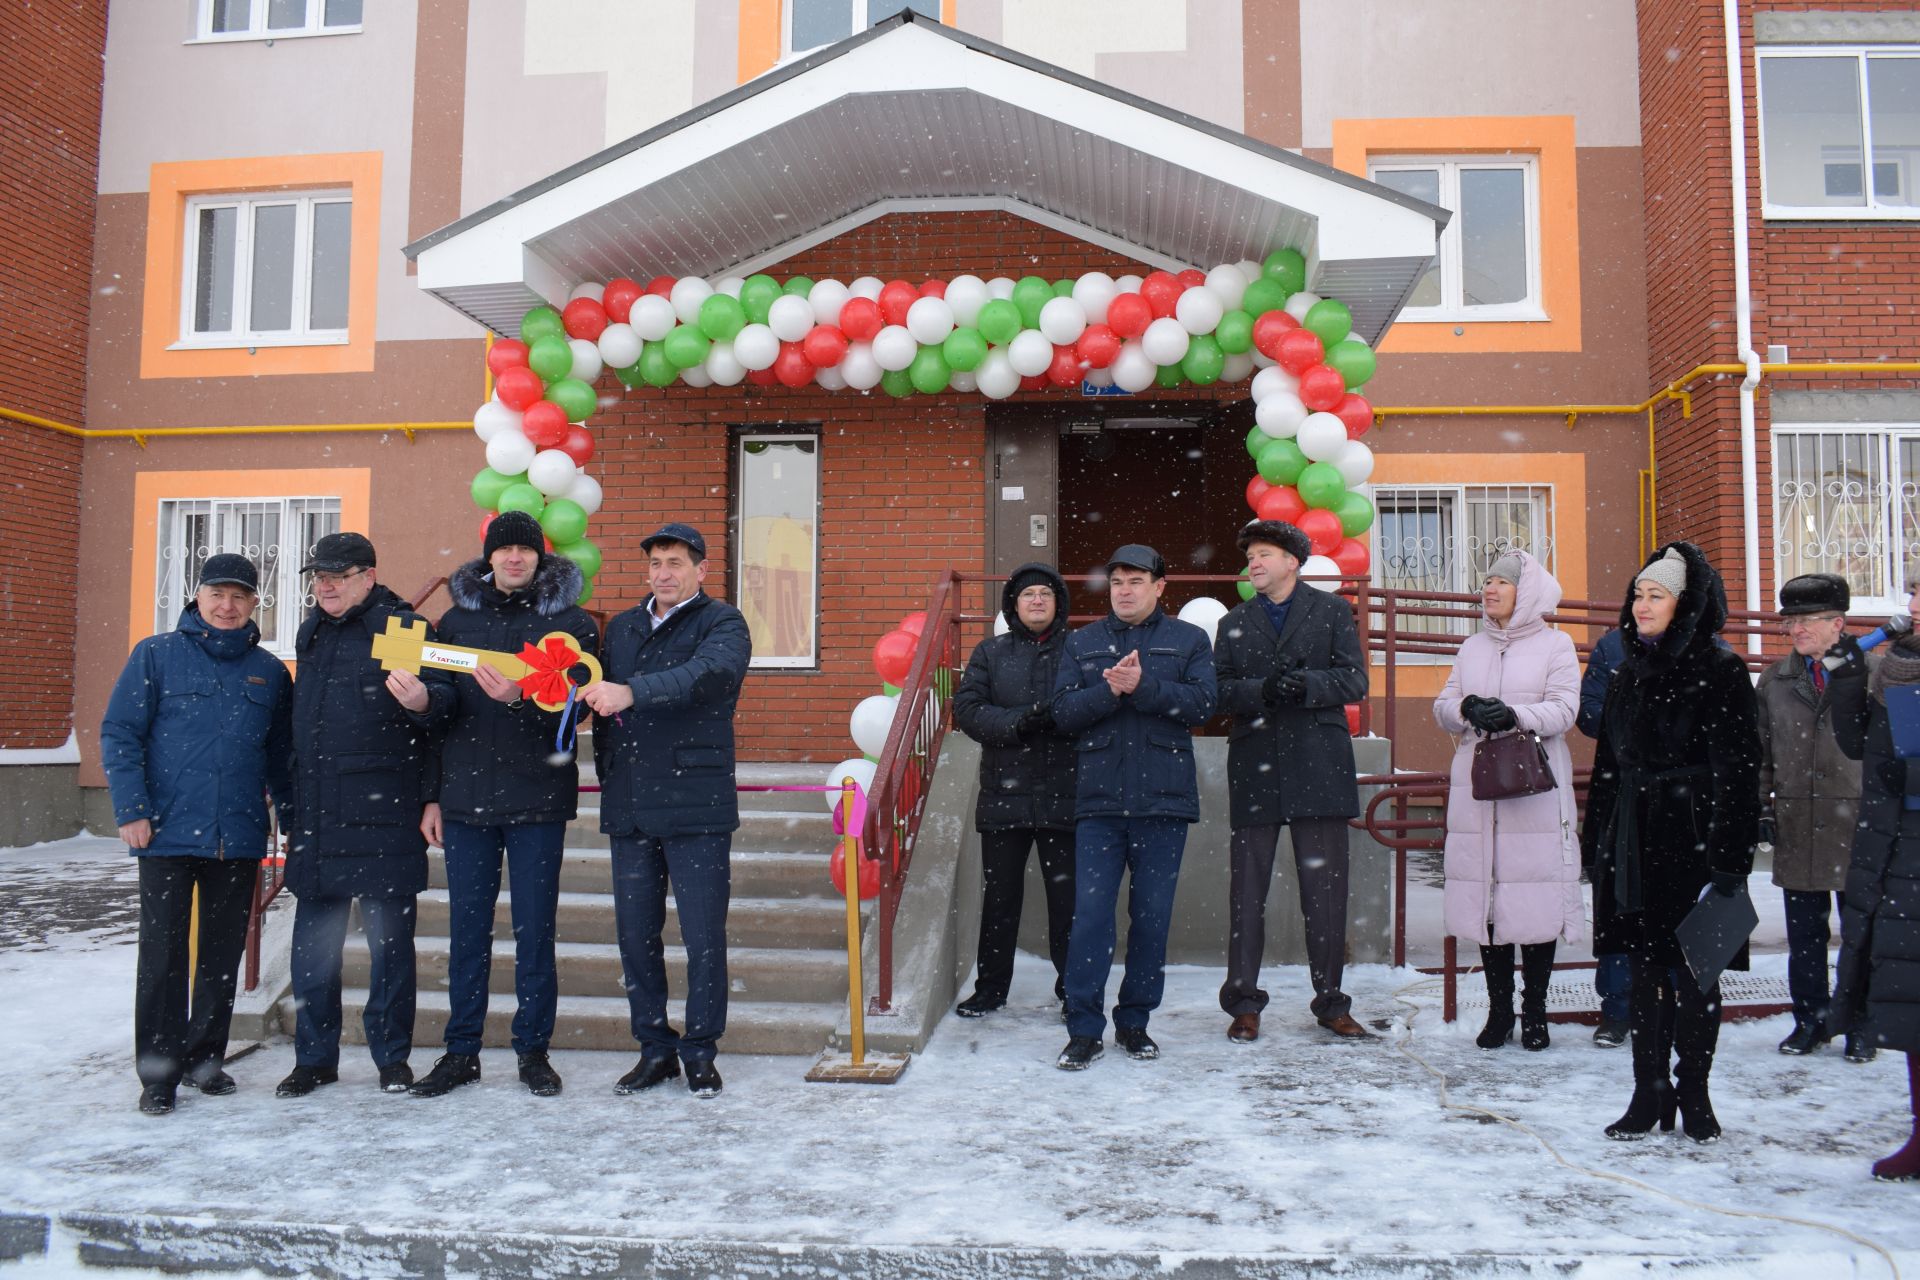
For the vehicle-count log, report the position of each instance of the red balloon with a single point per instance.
(618, 298)
(933, 289)
(1299, 350)
(1269, 329)
(860, 319)
(1098, 345)
(1352, 557)
(1129, 315)
(791, 366)
(545, 423)
(1356, 413)
(895, 300)
(577, 445)
(824, 346)
(1321, 388)
(1065, 369)
(893, 654)
(1162, 290)
(486, 519)
(1192, 276)
(1037, 382)
(584, 318)
(1353, 724)
(1282, 502)
(762, 377)
(1256, 489)
(662, 285)
(914, 623)
(869, 872)
(519, 387)
(1322, 529)
(507, 353)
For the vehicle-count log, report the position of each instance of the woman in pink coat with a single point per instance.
(1513, 866)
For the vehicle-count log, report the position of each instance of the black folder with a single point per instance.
(1713, 933)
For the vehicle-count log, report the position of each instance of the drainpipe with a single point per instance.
(1743, 317)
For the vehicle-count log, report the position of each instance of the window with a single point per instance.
(1846, 500)
(1444, 538)
(1839, 131)
(275, 533)
(777, 545)
(1488, 266)
(267, 270)
(276, 19)
(809, 24)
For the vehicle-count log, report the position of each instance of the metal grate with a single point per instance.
(1444, 538)
(274, 533)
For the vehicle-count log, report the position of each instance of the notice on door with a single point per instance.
(1013, 493)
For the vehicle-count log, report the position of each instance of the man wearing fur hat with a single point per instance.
(1289, 662)
(508, 784)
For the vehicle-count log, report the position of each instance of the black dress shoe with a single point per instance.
(1858, 1050)
(211, 1081)
(395, 1077)
(703, 1079)
(448, 1074)
(1136, 1042)
(538, 1075)
(302, 1081)
(157, 1100)
(1806, 1037)
(979, 1006)
(1081, 1052)
(1611, 1033)
(647, 1073)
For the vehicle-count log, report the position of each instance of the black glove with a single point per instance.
(1728, 883)
(1844, 659)
(1270, 687)
(1291, 690)
(1768, 831)
(1497, 716)
(1033, 722)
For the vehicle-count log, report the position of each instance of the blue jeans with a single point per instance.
(1613, 983)
(702, 876)
(533, 852)
(1147, 850)
(319, 932)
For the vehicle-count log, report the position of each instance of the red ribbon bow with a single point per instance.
(547, 667)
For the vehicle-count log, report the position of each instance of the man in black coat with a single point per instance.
(664, 745)
(509, 784)
(364, 772)
(1289, 662)
(1026, 779)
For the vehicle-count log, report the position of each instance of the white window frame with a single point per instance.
(246, 204)
(257, 29)
(1890, 595)
(1871, 210)
(738, 577)
(1452, 309)
(787, 51)
(283, 582)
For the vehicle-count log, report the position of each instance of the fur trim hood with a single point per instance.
(1701, 613)
(1010, 605)
(556, 585)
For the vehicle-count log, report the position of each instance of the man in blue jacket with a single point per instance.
(1130, 688)
(197, 732)
(663, 741)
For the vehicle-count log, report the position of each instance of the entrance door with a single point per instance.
(1023, 497)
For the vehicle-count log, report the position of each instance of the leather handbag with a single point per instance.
(1510, 765)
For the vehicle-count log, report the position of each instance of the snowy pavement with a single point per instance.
(1218, 1159)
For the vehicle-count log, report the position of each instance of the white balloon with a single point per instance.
(1030, 352)
(1094, 292)
(1205, 613)
(1322, 437)
(829, 378)
(964, 380)
(586, 360)
(1274, 380)
(1000, 287)
(619, 346)
(861, 771)
(652, 316)
(1320, 567)
(966, 295)
(551, 472)
(1237, 367)
(1133, 369)
(1098, 377)
(1354, 462)
(872, 717)
(585, 490)
(492, 418)
(997, 377)
(790, 317)
(1301, 303)
(1261, 360)
(826, 298)
(867, 287)
(859, 367)
(1128, 284)
(1000, 626)
(755, 347)
(1165, 341)
(1280, 415)
(697, 375)
(1199, 310)
(894, 347)
(1250, 269)
(929, 320)
(1062, 320)
(729, 285)
(1227, 284)
(686, 296)
(723, 366)
(587, 290)
(509, 452)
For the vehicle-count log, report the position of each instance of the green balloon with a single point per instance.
(488, 485)
(799, 286)
(1063, 288)
(757, 295)
(582, 553)
(929, 372)
(655, 368)
(575, 397)
(1281, 462)
(1262, 296)
(964, 349)
(999, 322)
(1244, 587)
(1286, 268)
(1234, 333)
(1204, 360)
(685, 345)
(630, 377)
(586, 591)
(1321, 486)
(1168, 376)
(897, 383)
(542, 322)
(1031, 294)
(1353, 359)
(1256, 441)
(564, 521)
(721, 317)
(1330, 319)
(1356, 513)
(551, 358)
(889, 689)
(523, 497)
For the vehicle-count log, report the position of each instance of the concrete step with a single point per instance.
(760, 974)
(796, 923)
(756, 874)
(795, 828)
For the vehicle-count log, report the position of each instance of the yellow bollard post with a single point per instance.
(850, 868)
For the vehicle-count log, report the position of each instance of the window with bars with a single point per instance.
(275, 533)
(1443, 538)
(267, 269)
(1846, 500)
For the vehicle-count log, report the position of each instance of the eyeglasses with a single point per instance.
(1807, 621)
(335, 579)
(1036, 593)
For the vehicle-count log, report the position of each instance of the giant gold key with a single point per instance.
(547, 672)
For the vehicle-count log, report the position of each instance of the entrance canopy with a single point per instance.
(911, 115)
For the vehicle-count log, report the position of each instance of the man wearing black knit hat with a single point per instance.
(1289, 661)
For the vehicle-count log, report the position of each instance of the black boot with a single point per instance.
(1807, 1036)
(448, 1074)
(537, 1073)
(1536, 962)
(1696, 1035)
(1652, 1038)
(302, 1081)
(1497, 962)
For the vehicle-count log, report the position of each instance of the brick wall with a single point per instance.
(49, 161)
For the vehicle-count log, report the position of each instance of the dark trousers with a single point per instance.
(319, 933)
(1147, 851)
(1613, 983)
(1809, 930)
(169, 1039)
(1675, 1024)
(1320, 864)
(699, 869)
(1003, 868)
(533, 853)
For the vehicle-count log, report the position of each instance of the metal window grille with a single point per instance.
(275, 533)
(1847, 501)
(1443, 538)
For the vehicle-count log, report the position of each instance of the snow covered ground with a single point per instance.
(1217, 1159)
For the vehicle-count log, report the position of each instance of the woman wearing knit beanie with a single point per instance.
(1674, 807)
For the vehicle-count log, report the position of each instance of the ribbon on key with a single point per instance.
(547, 667)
